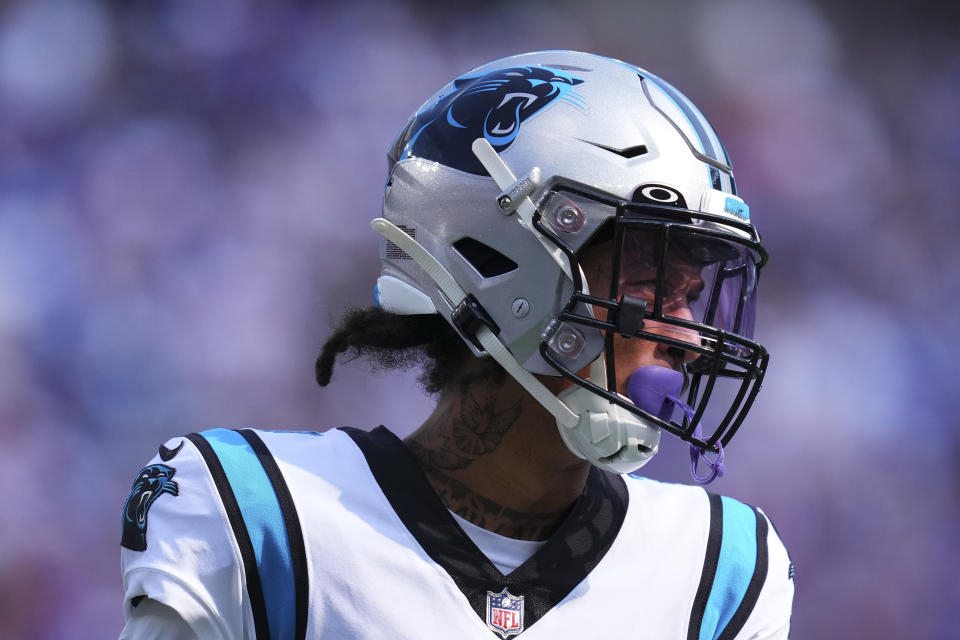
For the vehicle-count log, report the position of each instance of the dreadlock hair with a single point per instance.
(394, 341)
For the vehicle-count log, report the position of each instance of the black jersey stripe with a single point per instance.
(235, 517)
(711, 558)
(291, 520)
(756, 582)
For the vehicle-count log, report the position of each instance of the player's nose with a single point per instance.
(674, 353)
(679, 356)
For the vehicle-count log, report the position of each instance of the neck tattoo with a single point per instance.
(451, 443)
(491, 515)
(453, 439)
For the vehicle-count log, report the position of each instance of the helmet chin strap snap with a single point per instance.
(656, 390)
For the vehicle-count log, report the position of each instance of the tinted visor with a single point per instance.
(689, 276)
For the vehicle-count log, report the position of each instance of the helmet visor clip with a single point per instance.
(630, 315)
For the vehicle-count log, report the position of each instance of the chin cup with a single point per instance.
(607, 435)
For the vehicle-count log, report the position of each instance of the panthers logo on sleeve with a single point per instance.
(152, 482)
(491, 105)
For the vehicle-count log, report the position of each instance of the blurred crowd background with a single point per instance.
(185, 192)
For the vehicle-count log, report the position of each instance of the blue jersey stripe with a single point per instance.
(264, 522)
(710, 559)
(251, 575)
(735, 567)
(298, 553)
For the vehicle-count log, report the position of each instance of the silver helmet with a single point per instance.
(502, 180)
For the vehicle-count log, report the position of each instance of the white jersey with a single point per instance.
(259, 534)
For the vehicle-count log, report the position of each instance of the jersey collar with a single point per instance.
(545, 579)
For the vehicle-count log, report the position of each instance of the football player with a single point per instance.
(565, 253)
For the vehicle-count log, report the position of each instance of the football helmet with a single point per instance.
(501, 182)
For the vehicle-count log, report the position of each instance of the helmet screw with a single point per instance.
(520, 307)
(569, 218)
(570, 342)
(504, 202)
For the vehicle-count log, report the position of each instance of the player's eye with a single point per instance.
(638, 285)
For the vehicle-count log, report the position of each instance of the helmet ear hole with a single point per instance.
(486, 260)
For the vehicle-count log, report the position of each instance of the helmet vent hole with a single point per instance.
(633, 152)
(486, 260)
(628, 153)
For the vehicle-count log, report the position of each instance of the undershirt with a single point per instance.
(505, 553)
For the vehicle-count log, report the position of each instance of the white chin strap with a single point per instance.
(593, 428)
(607, 435)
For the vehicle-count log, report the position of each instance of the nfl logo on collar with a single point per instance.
(504, 613)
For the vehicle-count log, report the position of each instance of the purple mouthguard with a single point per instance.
(656, 390)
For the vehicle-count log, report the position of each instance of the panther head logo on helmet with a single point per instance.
(490, 105)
